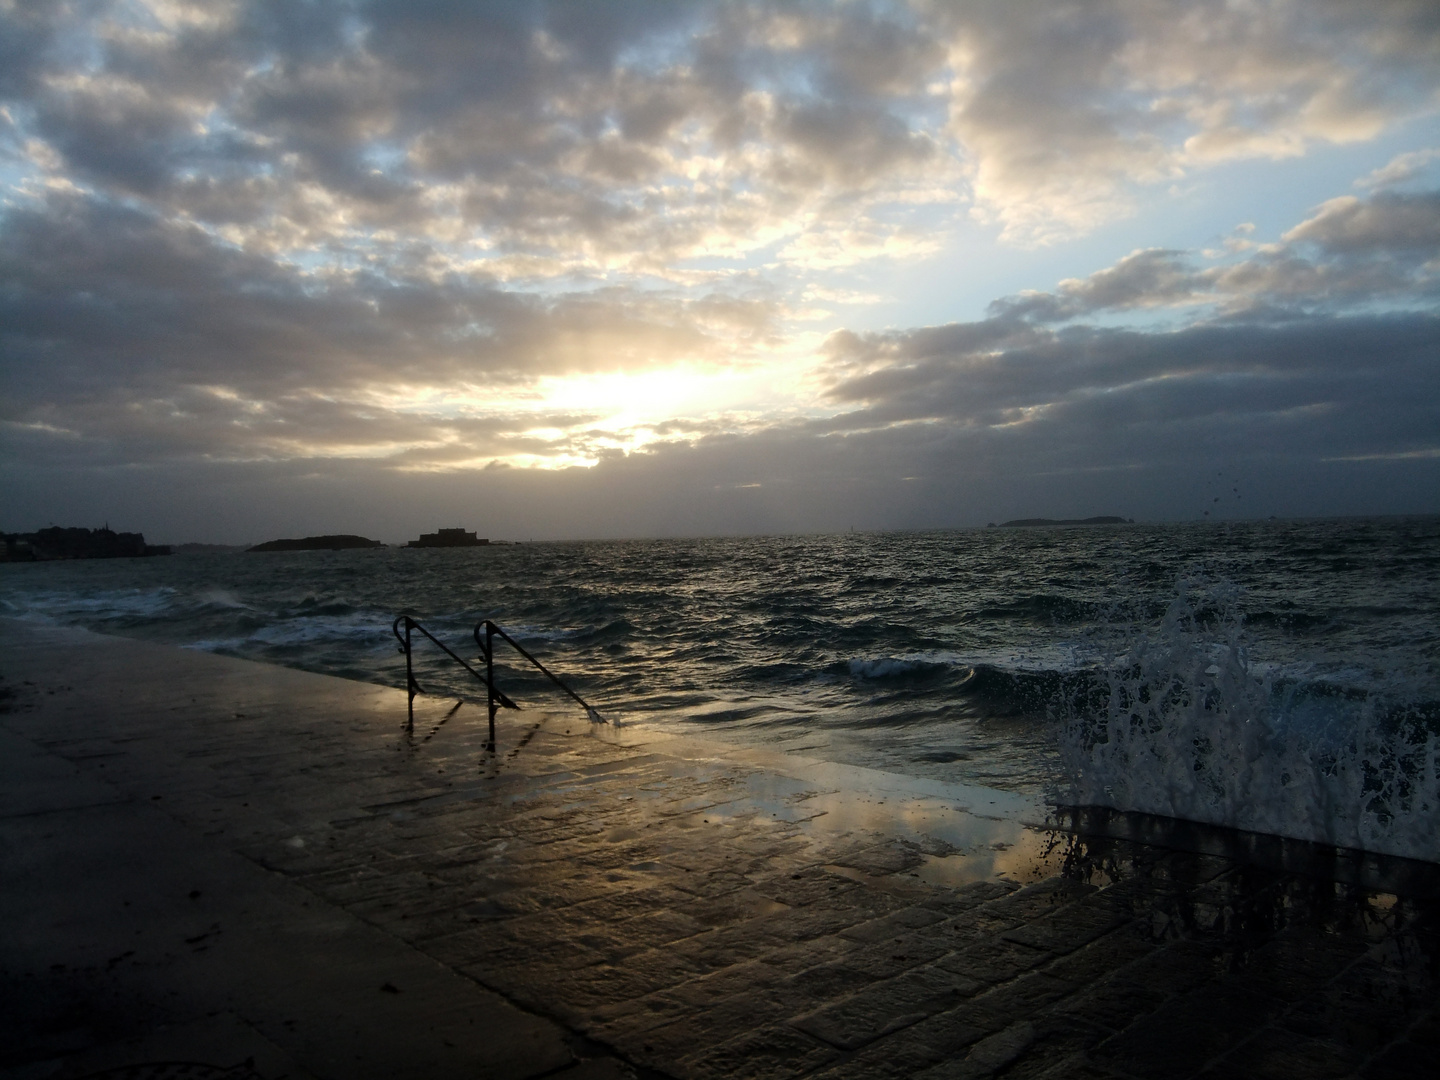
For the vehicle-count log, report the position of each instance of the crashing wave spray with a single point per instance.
(1177, 721)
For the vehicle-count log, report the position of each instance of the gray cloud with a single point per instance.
(592, 132)
(1142, 279)
(1351, 252)
(1391, 222)
(267, 239)
(136, 337)
(1333, 417)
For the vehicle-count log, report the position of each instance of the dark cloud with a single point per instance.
(321, 246)
(1078, 391)
(128, 336)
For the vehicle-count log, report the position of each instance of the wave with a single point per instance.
(950, 655)
(1175, 721)
(887, 667)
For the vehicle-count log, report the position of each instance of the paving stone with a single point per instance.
(1276, 1054)
(890, 858)
(768, 1053)
(887, 926)
(897, 1058)
(884, 959)
(1061, 1046)
(713, 1026)
(993, 960)
(1365, 1006)
(800, 924)
(1426, 1031)
(813, 987)
(1115, 1004)
(618, 1021)
(987, 1056)
(1038, 900)
(1069, 928)
(803, 887)
(791, 957)
(1205, 1023)
(1103, 957)
(748, 977)
(648, 899)
(886, 1006)
(714, 883)
(944, 1035)
(1028, 996)
(1292, 964)
(1404, 1060)
(717, 949)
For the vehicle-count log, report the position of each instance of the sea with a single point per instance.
(1277, 676)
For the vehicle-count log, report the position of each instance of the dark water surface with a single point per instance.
(935, 653)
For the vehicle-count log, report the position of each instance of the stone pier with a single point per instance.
(212, 868)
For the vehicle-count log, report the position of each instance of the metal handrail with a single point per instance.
(487, 649)
(495, 698)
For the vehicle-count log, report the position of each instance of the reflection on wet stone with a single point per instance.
(652, 897)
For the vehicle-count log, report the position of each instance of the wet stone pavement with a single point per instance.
(695, 911)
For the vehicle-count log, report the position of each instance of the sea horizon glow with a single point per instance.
(645, 269)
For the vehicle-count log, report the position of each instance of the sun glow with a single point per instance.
(634, 398)
(559, 422)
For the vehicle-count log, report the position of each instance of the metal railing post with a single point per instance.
(409, 681)
(490, 679)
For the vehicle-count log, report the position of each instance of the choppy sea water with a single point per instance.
(1280, 676)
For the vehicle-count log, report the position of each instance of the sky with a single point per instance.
(629, 269)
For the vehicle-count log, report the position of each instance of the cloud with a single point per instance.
(633, 135)
(1331, 416)
(1399, 169)
(1066, 109)
(1390, 222)
(354, 240)
(1350, 252)
(1143, 279)
(1048, 388)
(148, 337)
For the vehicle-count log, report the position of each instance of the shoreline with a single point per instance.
(637, 904)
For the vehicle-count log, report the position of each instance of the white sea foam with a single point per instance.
(1179, 723)
(883, 668)
(222, 598)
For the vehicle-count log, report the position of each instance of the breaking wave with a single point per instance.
(1175, 720)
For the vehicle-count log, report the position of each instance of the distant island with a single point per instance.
(1025, 523)
(344, 542)
(61, 543)
(448, 538)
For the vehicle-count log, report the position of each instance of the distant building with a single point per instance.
(59, 543)
(448, 538)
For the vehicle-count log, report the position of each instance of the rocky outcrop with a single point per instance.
(342, 542)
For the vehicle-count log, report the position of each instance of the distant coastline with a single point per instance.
(339, 542)
(1030, 523)
(57, 543)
